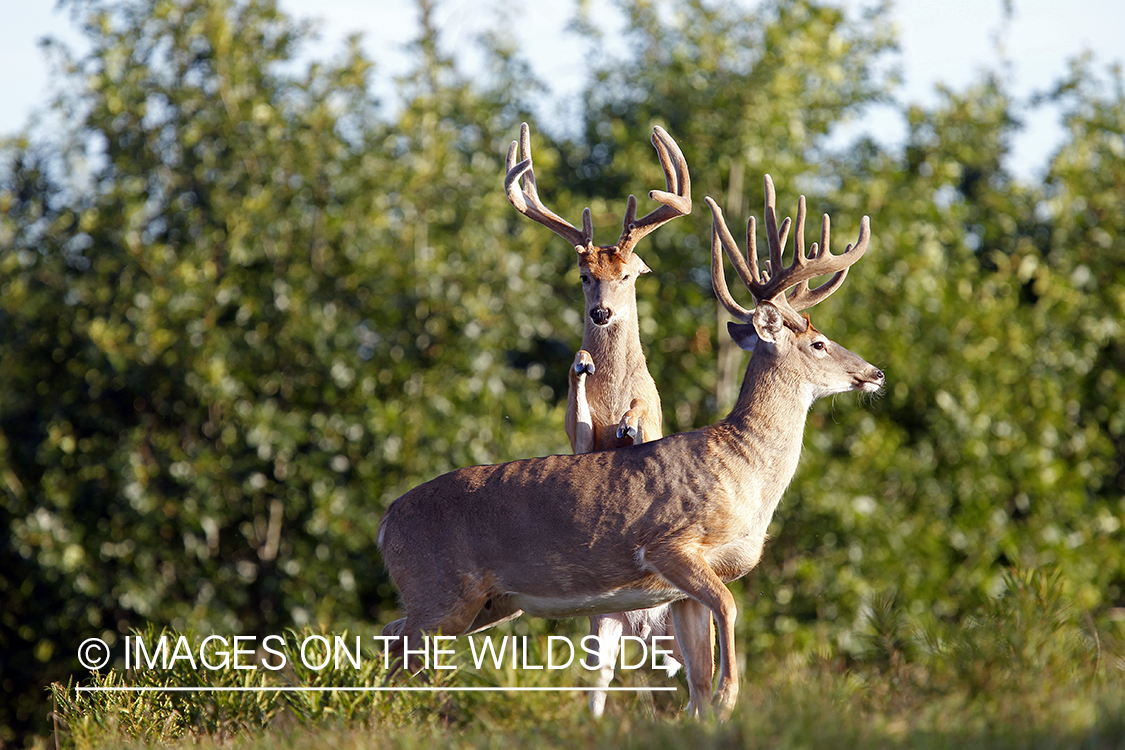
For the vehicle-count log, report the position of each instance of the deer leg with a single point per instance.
(691, 574)
(412, 634)
(632, 421)
(496, 609)
(666, 626)
(579, 422)
(608, 630)
(652, 623)
(695, 638)
(448, 608)
(393, 630)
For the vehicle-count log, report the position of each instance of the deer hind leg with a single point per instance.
(608, 630)
(632, 424)
(646, 624)
(691, 574)
(579, 422)
(496, 609)
(441, 610)
(658, 622)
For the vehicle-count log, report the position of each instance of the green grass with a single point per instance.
(1025, 672)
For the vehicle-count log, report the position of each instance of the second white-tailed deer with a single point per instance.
(671, 520)
(612, 401)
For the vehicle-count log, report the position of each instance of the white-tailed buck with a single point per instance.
(612, 401)
(671, 520)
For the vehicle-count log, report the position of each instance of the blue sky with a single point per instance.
(942, 42)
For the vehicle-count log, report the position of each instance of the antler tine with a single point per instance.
(799, 257)
(751, 254)
(774, 240)
(782, 235)
(802, 298)
(720, 235)
(526, 200)
(799, 238)
(675, 200)
(776, 237)
(677, 179)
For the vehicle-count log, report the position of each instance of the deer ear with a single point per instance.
(768, 321)
(744, 335)
(644, 268)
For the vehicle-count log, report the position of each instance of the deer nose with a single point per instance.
(601, 315)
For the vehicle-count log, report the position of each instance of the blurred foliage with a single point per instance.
(243, 306)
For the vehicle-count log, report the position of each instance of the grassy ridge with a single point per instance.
(1026, 671)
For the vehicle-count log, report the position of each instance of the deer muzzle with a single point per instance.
(601, 315)
(871, 380)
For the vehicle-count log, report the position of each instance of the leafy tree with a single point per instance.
(262, 315)
(1080, 280)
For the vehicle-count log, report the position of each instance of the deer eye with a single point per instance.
(585, 279)
(625, 277)
(819, 346)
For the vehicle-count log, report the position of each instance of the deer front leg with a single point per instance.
(691, 574)
(632, 422)
(579, 422)
(696, 638)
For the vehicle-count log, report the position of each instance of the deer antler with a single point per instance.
(771, 283)
(675, 200)
(527, 201)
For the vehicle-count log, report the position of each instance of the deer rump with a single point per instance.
(557, 536)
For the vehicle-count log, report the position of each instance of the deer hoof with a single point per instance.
(626, 430)
(724, 700)
(584, 363)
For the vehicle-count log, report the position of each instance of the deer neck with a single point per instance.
(762, 437)
(616, 347)
(621, 367)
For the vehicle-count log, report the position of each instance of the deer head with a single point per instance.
(821, 367)
(608, 272)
